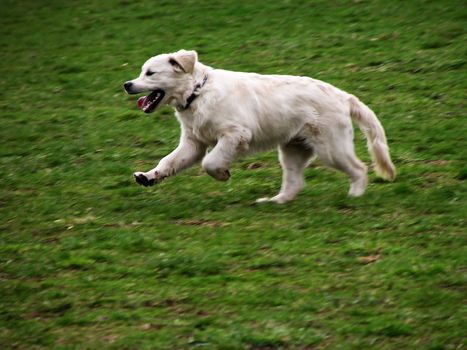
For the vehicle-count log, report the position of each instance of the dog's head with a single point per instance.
(166, 76)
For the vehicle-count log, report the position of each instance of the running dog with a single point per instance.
(235, 113)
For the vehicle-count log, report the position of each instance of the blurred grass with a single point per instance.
(89, 259)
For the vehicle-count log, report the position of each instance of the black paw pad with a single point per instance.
(143, 180)
(223, 174)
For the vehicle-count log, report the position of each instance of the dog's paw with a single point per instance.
(263, 200)
(279, 199)
(141, 179)
(222, 174)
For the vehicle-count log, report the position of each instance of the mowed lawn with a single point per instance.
(89, 259)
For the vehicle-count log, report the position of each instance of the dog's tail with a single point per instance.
(376, 138)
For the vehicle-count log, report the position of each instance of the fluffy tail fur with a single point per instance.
(376, 139)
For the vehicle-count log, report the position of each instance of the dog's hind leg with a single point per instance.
(294, 157)
(336, 150)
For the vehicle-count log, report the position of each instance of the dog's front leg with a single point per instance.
(188, 152)
(217, 162)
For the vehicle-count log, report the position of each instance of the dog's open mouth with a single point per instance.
(149, 103)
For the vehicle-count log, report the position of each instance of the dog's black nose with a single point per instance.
(127, 86)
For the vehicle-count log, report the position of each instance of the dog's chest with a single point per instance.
(203, 129)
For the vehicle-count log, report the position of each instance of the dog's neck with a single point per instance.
(193, 88)
(195, 93)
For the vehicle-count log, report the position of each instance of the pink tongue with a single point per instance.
(141, 101)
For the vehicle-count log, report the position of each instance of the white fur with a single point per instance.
(238, 113)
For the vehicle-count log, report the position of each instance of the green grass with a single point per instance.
(89, 260)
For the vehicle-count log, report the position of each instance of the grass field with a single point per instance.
(89, 259)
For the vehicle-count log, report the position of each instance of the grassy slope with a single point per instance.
(89, 259)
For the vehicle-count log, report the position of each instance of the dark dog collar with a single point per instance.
(195, 93)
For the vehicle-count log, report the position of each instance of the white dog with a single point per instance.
(239, 113)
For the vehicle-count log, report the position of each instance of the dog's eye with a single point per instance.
(149, 73)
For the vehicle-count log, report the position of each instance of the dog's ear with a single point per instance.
(184, 61)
